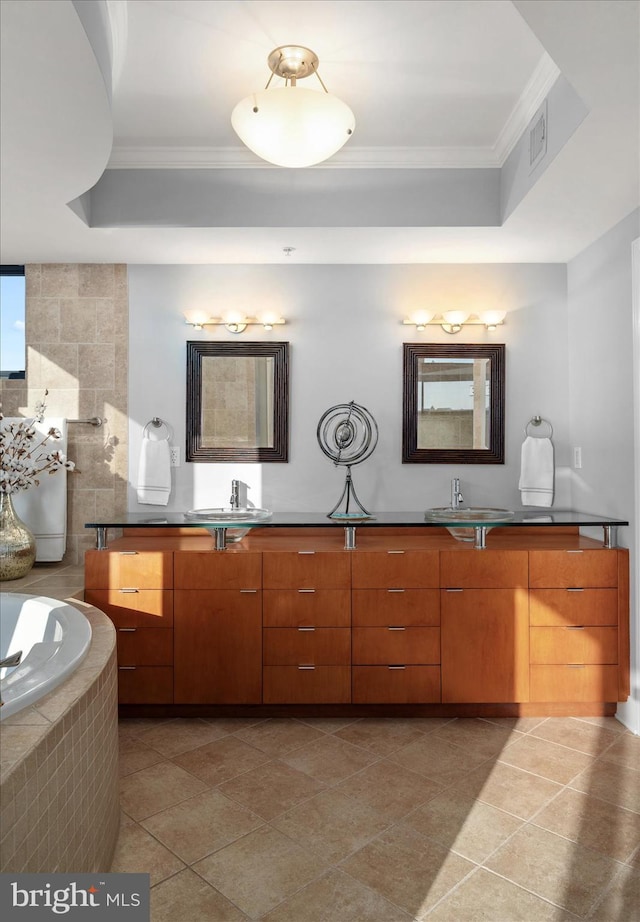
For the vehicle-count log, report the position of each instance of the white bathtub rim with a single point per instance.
(46, 665)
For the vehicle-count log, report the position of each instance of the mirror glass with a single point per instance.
(237, 401)
(453, 404)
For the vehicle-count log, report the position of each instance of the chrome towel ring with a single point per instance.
(157, 423)
(539, 421)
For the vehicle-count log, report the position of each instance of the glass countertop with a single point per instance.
(529, 518)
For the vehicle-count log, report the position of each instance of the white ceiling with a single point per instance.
(431, 82)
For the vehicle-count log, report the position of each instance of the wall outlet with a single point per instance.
(174, 451)
(577, 458)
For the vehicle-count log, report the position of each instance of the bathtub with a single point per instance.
(54, 638)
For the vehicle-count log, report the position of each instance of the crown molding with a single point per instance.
(532, 97)
(234, 158)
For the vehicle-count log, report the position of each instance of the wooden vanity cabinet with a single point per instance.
(218, 627)
(396, 626)
(485, 626)
(134, 588)
(396, 621)
(307, 627)
(574, 625)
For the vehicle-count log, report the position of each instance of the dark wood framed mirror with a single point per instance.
(453, 403)
(237, 401)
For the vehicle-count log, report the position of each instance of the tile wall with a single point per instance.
(77, 348)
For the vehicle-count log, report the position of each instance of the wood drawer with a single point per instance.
(145, 684)
(597, 568)
(306, 646)
(574, 683)
(217, 570)
(396, 685)
(307, 570)
(128, 569)
(559, 607)
(381, 646)
(401, 607)
(470, 569)
(147, 646)
(306, 608)
(134, 608)
(395, 569)
(315, 685)
(574, 645)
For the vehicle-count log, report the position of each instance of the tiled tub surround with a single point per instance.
(77, 348)
(58, 784)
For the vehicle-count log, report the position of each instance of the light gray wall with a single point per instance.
(601, 395)
(565, 112)
(344, 327)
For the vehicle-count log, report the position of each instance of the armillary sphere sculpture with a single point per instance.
(348, 434)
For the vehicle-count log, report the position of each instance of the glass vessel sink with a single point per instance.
(227, 517)
(461, 523)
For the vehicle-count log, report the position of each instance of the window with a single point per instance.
(12, 321)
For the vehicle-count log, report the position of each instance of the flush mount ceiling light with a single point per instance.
(290, 126)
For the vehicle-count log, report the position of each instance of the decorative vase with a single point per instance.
(17, 544)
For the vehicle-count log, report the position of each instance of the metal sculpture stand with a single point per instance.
(348, 434)
(349, 492)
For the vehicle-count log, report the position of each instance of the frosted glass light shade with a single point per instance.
(293, 127)
(455, 317)
(492, 317)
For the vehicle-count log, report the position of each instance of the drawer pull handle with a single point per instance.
(575, 665)
(126, 667)
(575, 589)
(397, 668)
(575, 552)
(306, 552)
(127, 630)
(395, 552)
(129, 590)
(574, 627)
(248, 590)
(395, 590)
(390, 628)
(306, 629)
(454, 590)
(307, 668)
(128, 553)
(306, 590)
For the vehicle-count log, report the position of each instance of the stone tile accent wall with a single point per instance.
(77, 348)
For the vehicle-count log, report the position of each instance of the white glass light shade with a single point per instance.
(420, 318)
(196, 317)
(291, 126)
(492, 317)
(455, 317)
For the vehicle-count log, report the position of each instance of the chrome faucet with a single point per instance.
(12, 660)
(234, 501)
(456, 495)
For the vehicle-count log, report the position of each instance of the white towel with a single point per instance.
(537, 472)
(43, 509)
(154, 472)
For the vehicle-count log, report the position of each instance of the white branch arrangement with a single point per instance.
(25, 453)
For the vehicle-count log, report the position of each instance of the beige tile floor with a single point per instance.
(382, 820)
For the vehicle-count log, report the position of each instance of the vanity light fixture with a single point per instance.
(289, 126)
(453, 321)
(234, 322)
